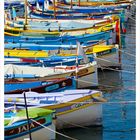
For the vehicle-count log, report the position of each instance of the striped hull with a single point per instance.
(88, 69)
(19, 130)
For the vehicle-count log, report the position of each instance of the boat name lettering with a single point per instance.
(81, 72)
(24, 128)
(77, 105)
(52, 87)
(104, 52)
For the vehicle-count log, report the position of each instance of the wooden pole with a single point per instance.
(27, 115)
(71, 4)
(54, 8)
(25, 5)
(120, 44)
(78, 2)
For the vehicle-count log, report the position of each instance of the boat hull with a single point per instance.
(92, 116)
(90, 80)
(62, 40)
(43, 134)
(82, 72)
(109, 61)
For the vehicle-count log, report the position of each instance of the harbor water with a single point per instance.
(118, 87)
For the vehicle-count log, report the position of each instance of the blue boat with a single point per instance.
(18, 87)
(37, 47)
(51, 61)
(59, 40)
(17, 125)
(65, 11)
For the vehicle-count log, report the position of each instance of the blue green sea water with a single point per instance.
(119, 112)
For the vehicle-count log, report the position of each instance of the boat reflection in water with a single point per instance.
(90, 133)
(110, 81)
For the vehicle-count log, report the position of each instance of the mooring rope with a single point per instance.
(77, 125)
(125, 71)
(128, 36)
(113, 62)
(134, 51)
(131, 17)
(131, 24)
(108, 86)
(126, 53)
(132, 43)
(54, 131)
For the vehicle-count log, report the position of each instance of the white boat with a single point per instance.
(73, 107)
(83, 72)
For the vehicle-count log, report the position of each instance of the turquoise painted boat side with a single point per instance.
(16, 128)
(65, 40)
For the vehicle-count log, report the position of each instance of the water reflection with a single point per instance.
(89, 133)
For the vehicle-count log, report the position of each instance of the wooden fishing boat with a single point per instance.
(34, 19)
(38, 14)
(64, 39)
(107, 56)
(56, 25)
(25, 53)
(73, 107)
(94, 9)
(73, 11)
(17, 127)
(13, 3)
(12, 30)
(36, 47)
(51, 8)
(49, 61)
(18, 87)
(98, 27)
(86, 72)
(96, 3)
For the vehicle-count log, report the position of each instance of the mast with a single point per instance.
(54, 8)
(27, 115)
(25, 15)
(78, 2)
(119, 36)
(71, 4)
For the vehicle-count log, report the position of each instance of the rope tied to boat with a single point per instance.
(126, 52)
(107, 86)
(54, 130)
(125, 71)
(128, 36)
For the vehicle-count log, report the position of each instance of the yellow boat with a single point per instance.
(40, 54)
(14, 30)
(25, 53)
(104, 26)
(95, 49)
(11, 34)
